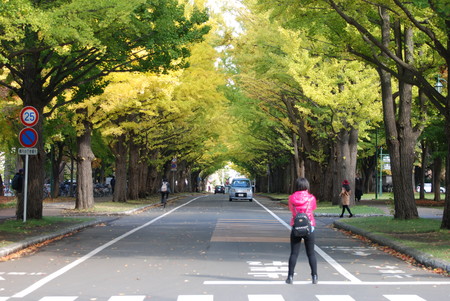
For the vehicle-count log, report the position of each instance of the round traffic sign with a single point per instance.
(28, 137)
(29, 116)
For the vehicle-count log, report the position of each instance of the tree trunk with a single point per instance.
(400, 144)
(346, 150)
(85, 186)
(119, 150)
(423, 169)
(437, 167)
(133, 170)
(57, 156)
(400, 137)
(446, 215)
(143, 175)
(298, 163)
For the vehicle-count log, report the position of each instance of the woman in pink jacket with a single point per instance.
(302, 201)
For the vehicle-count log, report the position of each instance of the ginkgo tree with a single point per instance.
(150, 118)
(49, 50)
(322, 100)
(406, 42)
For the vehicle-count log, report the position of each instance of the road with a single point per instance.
(209, 249)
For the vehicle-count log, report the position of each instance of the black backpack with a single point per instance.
(302, 224)
(15, 182)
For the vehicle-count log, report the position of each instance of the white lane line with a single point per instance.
(403, 298)
(75, 263)
(334, 298)
(265, 298)
(324, 255)
(379, 283)
(195, 298)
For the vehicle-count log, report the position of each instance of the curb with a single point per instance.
(17, 246)
(422, 258)
(12, 248)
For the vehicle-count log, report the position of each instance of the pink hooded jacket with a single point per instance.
(298, 202)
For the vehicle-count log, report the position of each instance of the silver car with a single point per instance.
(241, 189)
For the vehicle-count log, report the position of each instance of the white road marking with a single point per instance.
(324, 255)
(379, 283)
(265, 298)
(75, 263)
(334, 298)
(403, 298)
(195, 298)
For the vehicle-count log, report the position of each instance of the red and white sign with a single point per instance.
(29, 116)
(28, 137)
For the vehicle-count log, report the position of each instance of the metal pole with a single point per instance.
(25, 187)
(381, 172)
(376, 165)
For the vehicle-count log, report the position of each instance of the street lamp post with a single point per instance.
(439, 86)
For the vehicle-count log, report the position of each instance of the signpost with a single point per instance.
(28, 138)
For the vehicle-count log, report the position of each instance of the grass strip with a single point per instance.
(421, 234)
(19, 227)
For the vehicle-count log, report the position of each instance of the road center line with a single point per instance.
(324, 255)
(80, 260)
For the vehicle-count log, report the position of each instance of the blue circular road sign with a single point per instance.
(28, 137)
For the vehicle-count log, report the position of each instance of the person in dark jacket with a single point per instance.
(17, 181)
(165, 190)
(302, 201)
(358, 187)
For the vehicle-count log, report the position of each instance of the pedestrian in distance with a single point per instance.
(345, 198)
(113, 184)
(301, 201)
(17, 181)
(165, 190)
(358, 188)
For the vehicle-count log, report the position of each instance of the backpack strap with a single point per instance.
(306, 210)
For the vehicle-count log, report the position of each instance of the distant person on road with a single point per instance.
(358, 187)
(301, 201)
(165, 190)
(345, 198)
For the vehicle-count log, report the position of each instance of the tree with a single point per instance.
(402, 48)
(320, 99)
(49, 50)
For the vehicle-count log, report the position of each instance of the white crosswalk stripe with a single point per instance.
(403, 298)
(265, 298)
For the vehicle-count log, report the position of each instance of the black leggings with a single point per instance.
(348, 209)
(295, 249)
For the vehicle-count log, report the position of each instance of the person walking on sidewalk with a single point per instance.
(165, 190)
(345, 198)
(301, 201)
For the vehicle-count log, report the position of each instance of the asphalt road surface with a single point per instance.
(209, 249)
